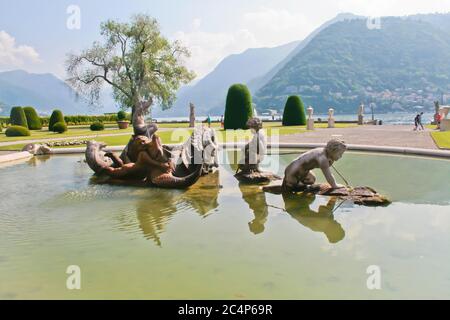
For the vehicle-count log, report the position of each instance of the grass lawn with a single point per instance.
(167, 136)
(72, 131)
(442, 139)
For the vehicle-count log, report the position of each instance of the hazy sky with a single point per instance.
(34, 34)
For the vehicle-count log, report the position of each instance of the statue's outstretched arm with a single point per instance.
(328, 175)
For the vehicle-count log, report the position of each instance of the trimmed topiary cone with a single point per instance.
(56, 117)
(238, 108)
(33, 120)
(18, 118)
(294, 112)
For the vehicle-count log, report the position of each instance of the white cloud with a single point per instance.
(13, 55)
(208, 48)
(261, 28)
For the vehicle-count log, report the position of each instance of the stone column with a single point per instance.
(330, 118)
(191, 115)
(445, 122)
(436, 112)
(361, 114)
(310, 121)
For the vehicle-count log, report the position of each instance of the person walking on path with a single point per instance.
(208, 120)
(418, 122)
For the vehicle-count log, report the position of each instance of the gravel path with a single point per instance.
(385, 135)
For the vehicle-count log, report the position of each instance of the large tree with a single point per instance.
(141, 65)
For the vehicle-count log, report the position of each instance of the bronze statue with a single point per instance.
(298, 174)
(152, 165)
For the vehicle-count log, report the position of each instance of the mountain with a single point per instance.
(403, 64)
(43, 91)
(209, 93)
(256, 83)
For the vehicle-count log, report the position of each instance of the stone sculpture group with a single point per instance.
(145, 159)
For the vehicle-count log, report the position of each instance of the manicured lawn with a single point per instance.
(442, 139)
(72, 131)
(168, 136)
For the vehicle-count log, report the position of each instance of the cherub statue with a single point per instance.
(298, 174)
(248, 170)
(255, 150)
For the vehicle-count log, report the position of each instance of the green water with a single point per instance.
(220, 239)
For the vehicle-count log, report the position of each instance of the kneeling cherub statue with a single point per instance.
(298, 175)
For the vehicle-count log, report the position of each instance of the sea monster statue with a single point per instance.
(146, 159)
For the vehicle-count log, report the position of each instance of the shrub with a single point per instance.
(97, 126)
(33, 120)
(60, 127)
(56, 117)
(17, 131)
(18, 118)
(121, 115)
(294, 112)
(238, 107)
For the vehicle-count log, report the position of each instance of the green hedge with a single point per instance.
(33, 120)
(294, 112)
(97, 126)
(121, 115)
(56, 117)
(17, 117)
(17, 131)
(59, 127)
(238, 107)
(83, 120)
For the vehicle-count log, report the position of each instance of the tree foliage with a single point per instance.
(238, 107)
(135, 59)
(294, 112)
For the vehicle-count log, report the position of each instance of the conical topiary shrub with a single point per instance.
(294, 112)
(33, 120)
(238, 107)
(17, 117)
(56, 117)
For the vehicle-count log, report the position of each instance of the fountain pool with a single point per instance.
(222, 240)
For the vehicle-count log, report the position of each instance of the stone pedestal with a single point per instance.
(310, 121)
(445, 125)
(360, 119)
(191, 115)
(445, 122)
(330, 118)
(361, 114)
(331, 123)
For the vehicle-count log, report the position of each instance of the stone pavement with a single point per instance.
(384, 135)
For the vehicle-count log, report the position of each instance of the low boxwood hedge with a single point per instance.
(97, 126)
(17, 131)
(59, 127)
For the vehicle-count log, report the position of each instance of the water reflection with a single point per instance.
(160, 205)
(37, 160)
(322, 220)
(256, 200)
(298, 206)
(203, 195)
(153, 214)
